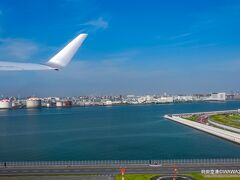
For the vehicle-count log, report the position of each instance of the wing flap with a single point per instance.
(15, 66)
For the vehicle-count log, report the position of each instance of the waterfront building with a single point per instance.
(59, 104)
(108, 103)
(167, 99)
(50, 104)
(67, 103)
(236, 96)
(183, 98)
(147, 99)
(217, 97)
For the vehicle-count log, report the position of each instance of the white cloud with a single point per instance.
(96, 24)
(19, 49)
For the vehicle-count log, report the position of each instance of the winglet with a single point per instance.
(62, 58)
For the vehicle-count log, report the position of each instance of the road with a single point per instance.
(57, 178)
(112, 170)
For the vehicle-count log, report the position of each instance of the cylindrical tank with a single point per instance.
(59, 104)
(33, 103)
(5, 104)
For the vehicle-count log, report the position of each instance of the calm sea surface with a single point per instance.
(106, 133)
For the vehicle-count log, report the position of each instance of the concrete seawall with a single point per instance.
(231, 136)
(224, 126)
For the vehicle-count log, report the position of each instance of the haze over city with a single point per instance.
(142, 48)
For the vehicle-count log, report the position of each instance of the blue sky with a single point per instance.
(144, 47)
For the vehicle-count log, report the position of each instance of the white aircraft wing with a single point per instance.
(60, 60)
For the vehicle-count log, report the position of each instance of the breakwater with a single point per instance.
(231, 136)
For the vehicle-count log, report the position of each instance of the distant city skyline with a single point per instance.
(165, 94)
(149, 47)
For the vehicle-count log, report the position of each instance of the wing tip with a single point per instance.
(63, 57)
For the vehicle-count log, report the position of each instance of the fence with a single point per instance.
(118, 162)
(208, 113)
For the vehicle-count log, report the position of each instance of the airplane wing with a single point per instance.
(60, 60)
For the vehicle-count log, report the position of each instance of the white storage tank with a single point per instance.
(59, 104)
(33, 103)
(5, 104)
(108, 103)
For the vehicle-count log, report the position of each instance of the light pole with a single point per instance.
(123, 170)
(174, 172)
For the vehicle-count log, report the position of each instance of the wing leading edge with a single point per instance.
(60, 60)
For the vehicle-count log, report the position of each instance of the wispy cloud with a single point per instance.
(95, 24)
(17, 49)
(183, 35)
